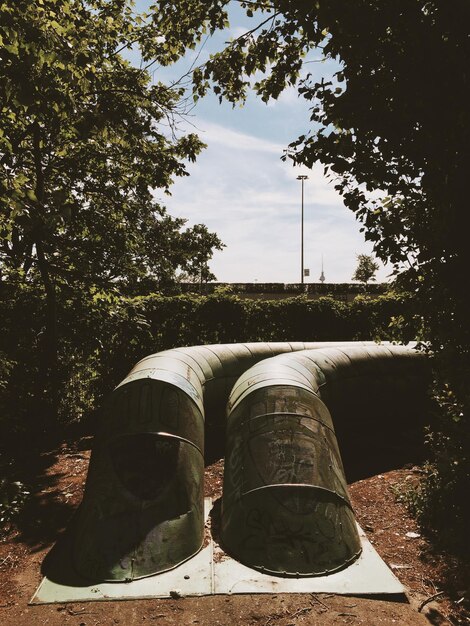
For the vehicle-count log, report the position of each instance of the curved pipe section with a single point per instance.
(285, 508)
(142, 511)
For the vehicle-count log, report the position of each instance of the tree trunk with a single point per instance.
(49, 362)
(50, 348)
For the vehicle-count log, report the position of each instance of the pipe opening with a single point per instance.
(146, 464)
(291, 530)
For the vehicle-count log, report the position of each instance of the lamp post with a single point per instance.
(302, 177)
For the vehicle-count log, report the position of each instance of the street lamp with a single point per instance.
(302, 177)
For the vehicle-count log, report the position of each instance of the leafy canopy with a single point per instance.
(85, 138)
(366, 268)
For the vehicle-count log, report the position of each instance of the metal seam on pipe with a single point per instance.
(295, 486)
(301, 415)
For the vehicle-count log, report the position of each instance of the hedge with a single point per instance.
(102, 336)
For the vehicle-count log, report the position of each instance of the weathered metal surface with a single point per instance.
(142, 509)
(286, 508)
(285, 504)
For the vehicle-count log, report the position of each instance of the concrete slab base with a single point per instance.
(369, 575)
(211, 571)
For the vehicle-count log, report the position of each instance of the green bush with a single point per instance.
(441, 503)
(13, 496)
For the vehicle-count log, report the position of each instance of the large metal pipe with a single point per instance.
(286, 508)
(142, 511)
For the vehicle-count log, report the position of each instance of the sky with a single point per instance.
(240, 188)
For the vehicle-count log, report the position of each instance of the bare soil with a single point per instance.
(437, 587)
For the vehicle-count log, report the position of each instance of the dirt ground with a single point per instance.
(437, 587)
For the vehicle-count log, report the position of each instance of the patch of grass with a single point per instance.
(440, 500)
(13, 496)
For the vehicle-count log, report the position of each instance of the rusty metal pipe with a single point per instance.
(142, 511)
(285, 508)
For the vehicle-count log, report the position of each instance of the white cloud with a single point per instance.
(240, 189)
(235, 140)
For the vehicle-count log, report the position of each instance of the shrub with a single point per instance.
(441, 503)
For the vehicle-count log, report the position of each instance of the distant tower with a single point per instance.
(322, 275)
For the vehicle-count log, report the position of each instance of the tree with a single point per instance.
(85, 138)
(392, 129)
(366, 269)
